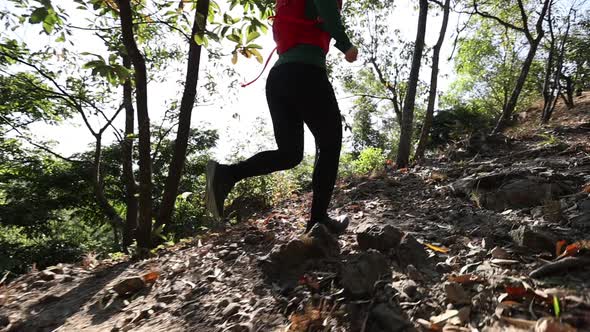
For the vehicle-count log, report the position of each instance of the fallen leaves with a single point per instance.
(436, 248)
(466, 278)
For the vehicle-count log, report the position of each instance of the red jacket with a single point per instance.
(291, 27)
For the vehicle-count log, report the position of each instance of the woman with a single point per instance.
(298, 92)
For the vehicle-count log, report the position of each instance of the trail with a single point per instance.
(449, 246)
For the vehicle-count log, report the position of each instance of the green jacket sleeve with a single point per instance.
(328, 11)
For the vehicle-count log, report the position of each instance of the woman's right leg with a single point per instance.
(288, 131)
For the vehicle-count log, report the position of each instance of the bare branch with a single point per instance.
(497, 19)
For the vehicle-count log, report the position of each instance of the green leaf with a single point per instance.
(201, 40)
(38, 15)
(235, 38)
(256, 46)
(227, 19)
(556, 306)
(252, 36)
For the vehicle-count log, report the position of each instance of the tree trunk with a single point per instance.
(405, 140)
(128, 177)
(144, 228)
(103, 202)
(569, 92)
(524, 72)
(557, 80)
(548, 90)
(425, 133)
(186, 108)
(508, 110)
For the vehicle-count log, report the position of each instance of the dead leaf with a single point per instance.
(435, 248)
(466, 278)
(151, 277)
(559, 247)
(442, 318)
(500, 261)
(586, 188)
(498, 252)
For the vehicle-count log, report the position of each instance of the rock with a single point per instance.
(129, 286)
(456, 294)
(253, 238)
(523, 193)
(359, 274)
(410, 288)
(230, 310)
(535, 240)
(515, 190)
(56, 269)
(442, 267)
(4, 321)
(223, 303)
(379, 237)
(413, 273)
(323, 242)
(384, 318)
(39, 284)
(47, 275)
(412, 252)
(232, 255)
(319, 242)
(550, 324)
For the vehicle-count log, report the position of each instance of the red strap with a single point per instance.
(263, 69)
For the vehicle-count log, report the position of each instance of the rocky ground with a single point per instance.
(492, 237)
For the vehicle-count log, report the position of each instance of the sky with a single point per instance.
(249, 102)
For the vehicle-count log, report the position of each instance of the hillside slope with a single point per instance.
(462, 245)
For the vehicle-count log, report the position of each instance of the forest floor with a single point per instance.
(491, 237)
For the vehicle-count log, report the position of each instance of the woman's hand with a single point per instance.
(351, 54)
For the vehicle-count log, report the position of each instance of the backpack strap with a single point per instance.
(263, 69)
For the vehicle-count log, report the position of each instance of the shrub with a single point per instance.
(369, 160)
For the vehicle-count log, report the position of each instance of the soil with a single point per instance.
(493, 241)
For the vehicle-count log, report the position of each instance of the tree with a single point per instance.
(407, 127)
(426, 125)
(533, 41)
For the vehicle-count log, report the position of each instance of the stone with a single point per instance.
(359, 274)
(410, 288)
(232, 255)
(39, 284)
(385, 318)
(535, 240)
(47, 275)
(323, 242)
(456, 294)
(129, 286)
(223, 303)
(4, 321)
(230, 310)
(379, 237)
(253, 238)
(411, 252)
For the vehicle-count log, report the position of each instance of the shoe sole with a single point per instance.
(210, 193)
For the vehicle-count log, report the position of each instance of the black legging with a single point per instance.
(297, 94)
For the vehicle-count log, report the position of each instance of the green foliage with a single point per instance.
(62, 242)
(369, 160)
